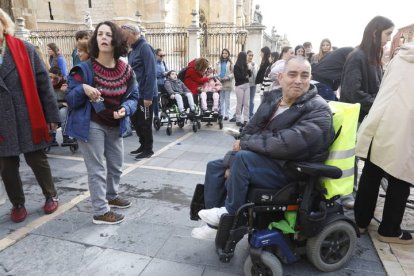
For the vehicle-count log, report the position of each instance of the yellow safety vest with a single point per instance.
(342, 150)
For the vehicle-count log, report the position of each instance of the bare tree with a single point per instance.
(7, 5)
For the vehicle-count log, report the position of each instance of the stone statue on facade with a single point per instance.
(88, 21)
(257, 17)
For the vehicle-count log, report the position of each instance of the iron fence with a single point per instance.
(63, 38)
(216, 37)
(174, 43)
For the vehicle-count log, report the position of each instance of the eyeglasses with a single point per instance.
(161, 55)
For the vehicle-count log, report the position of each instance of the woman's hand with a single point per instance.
(227, 173)
(120, 113)
(93, 93)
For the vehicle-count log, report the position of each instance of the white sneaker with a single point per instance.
(204, 233)
(212, 216)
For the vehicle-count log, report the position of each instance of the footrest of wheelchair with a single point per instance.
(197, 202)
(223, 231)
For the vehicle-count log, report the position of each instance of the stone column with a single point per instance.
(255, 40)
(193, 37)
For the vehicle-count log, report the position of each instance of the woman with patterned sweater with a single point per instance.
(102, 94)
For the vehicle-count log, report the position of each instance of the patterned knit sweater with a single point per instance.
(113, 84)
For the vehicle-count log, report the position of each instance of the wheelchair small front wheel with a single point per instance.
(270, 265)
(332, 247)
(157, 123)
(74, 148)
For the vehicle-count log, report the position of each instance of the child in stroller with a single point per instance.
(213, 85)
(176, 89)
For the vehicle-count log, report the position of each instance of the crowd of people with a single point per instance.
(115, 84)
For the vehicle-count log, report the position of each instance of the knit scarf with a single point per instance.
(40, 130)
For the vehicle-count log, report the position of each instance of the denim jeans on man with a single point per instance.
(104, 143)
(248, 168)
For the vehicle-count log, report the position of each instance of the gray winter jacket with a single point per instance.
(301, 133)
(15, 128)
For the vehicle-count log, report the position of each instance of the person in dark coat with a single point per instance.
(328, 72)
(29, 112)
(142, 60)
(363, 70)
(293, 123)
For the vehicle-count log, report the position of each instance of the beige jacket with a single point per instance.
(389, 126)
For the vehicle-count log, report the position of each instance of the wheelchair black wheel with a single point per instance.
(195, 127)
(181, 123)
(169, 130)
(46, 149)
(269, 265)
(198, 124)
(74, 148)
(333, 247)
(157, 123)
(220, 122)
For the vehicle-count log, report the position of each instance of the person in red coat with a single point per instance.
(194, 76)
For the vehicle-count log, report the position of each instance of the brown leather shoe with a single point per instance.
(18, 213)
(51, 205)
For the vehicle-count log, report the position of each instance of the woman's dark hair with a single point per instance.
(300, 47)
(274, 57)
(284, 50)
(55, 70)
(54, 48)
(242, 61)
(118, 42)
(201, 65)
(228, 56)
(266, 55)
(371, 40)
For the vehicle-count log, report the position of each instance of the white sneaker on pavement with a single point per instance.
(204, 233)
(212, 216)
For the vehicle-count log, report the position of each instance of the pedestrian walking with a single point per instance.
(142, 60)
(30, 111)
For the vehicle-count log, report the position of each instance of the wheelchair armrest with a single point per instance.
(316, 169)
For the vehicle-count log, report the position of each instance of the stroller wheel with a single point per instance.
(169, 129)
(74, 148)
(195, 127)
(157, 123)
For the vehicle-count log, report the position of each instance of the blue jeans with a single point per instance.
(104, 143)
(251, 105)
(248, 168)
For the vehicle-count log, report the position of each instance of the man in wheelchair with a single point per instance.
(292, 124)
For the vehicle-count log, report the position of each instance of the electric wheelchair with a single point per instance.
(302, 218)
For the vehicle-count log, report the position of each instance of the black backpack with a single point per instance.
(182, 73)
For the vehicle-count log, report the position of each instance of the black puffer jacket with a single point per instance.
(360, 81)
(301, 133)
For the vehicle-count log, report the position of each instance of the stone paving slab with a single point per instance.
(155, 238)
